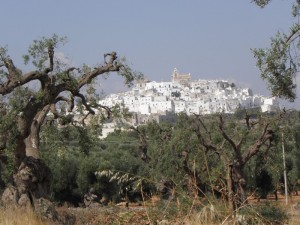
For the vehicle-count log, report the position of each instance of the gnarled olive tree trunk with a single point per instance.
(236, 185)
(32, 178)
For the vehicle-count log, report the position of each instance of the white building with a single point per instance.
(184, 95)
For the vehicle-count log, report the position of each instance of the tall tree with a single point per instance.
(55, 82)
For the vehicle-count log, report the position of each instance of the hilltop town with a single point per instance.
(151, 100)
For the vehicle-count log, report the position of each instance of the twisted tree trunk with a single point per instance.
(32, 178)
(236, 184)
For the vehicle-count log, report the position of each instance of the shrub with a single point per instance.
(264, 214)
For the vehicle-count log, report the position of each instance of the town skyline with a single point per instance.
(209, 39)
(161, 101)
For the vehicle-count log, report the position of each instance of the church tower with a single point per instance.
(175, 75)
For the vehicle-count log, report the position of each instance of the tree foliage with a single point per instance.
(195, 149)
(279, 63)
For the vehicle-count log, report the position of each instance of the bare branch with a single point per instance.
(55, 112)
(51, 56)
(267, 135)
(84, 102)
(250, 124)
(13, 72)
(82, 121)
(239, 144)
(203, 125)
(227, 138)
(143, 144)
(293, 35)
(42, 115)
(73, 87)
(70, 102)
(72, 69)
(208, 146)
(11, 84)
(61, 98)
(247, 118)
(68, 118)
(109, 66)
(113, 57)
(106, 108)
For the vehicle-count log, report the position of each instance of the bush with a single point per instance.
(264, 183)
(64, 172)
(272, 214)
(264, 214)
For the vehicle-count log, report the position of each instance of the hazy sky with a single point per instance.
(211, 39)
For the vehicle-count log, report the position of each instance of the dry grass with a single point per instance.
(20, 216)
(154, 211)
(294, 214)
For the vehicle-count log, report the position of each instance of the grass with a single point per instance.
(20, 216)
(183, 211)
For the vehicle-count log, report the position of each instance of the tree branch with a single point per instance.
(266, 135)
(143, 144)
(42, 115)
(11, 84)
(106, 108)
(113, 57)
(70, 102)
(203, 125)
(12, 70)
(73, 87)
(250, 124)
(227, 138)
(203, 142)
(84, 102)
(83, 118)
(291, 37)
(110, 66)
(72, 69)
(55, 112)
(51, 57)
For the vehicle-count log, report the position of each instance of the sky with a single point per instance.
(209, 39)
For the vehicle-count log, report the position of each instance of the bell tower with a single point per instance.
(175, 75)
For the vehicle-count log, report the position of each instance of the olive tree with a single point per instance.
(235, 143)
(54, 82)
